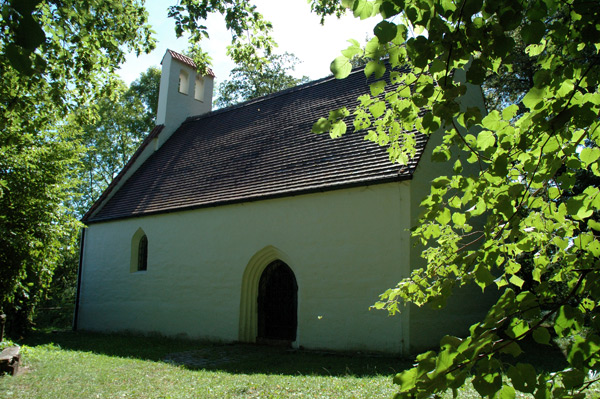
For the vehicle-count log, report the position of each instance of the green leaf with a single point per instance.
(385, 31)
(388, 9)
(534, 98)
(476, 73)
(337, 129)
(533, 32)
(19, 59)
(567, 320)
(404, 91)
(573, 378)
(516, 280)
(483, 276)
(541, 336)
(507, 392)
(29, 33)
(321, 126)
(523, 377)
(459, 219)
(352, 51)
(517, 328)
(375, 67)
(487, 383)
(341, 67)
(441, 181)
(444, 217)
(510, 112)
(363, 9)
(492, 121)
(377, 88)
(377, 109)
(485, 140)
(589, 155)
(593, 224)
(406, 379)
(513, 349)
(338, 113)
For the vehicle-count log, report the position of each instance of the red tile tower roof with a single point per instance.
(188, 61)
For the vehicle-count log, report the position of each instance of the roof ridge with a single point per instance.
(266, 97)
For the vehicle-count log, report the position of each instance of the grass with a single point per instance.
(85, 365)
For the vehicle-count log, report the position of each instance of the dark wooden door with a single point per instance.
(277, 304)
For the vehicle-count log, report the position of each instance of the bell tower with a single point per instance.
(183, 92)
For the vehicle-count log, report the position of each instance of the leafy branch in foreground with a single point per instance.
(251, 40)
(526, 221)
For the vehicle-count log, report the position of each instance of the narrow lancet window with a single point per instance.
(143, 254)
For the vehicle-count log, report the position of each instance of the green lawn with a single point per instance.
(78, 365)
(84, 365)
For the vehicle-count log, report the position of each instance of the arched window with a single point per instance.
(199, 89)
(142, 261)
(184, 82)
(139, 252)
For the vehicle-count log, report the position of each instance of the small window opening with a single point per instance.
(143, 254)
(184, 82)
(199, 89)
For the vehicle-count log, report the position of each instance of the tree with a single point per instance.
(59, 56)
(108, 140)
(145, 89)
(526, 189)
(250, 81)
(120, 124)
(48, 68)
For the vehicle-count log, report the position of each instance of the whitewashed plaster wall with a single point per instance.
(345, 248)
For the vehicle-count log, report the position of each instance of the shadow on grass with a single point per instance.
(255, 359)
(231, 358)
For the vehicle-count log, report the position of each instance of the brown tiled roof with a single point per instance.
(188, 61)
(260, 149)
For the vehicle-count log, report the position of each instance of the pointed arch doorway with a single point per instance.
(263, 261)
(277, 304)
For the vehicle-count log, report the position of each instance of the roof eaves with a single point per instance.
(263, 197)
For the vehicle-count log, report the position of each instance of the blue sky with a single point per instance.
(296, 31)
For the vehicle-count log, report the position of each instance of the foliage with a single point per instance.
(109, 132)
(48, 68)
(250, 33)
(250, 81)
(145, 89)
(119, 124)
(527, 160)
(513, 80)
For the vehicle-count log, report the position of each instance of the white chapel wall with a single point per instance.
(345, 247)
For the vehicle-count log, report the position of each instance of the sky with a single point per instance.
(295, 29)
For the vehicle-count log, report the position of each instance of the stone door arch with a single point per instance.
(249, 312)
